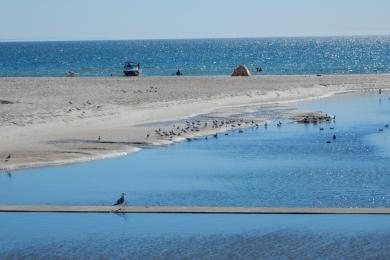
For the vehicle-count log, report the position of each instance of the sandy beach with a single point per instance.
(51, 121)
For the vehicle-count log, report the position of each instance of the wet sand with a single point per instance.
(51, 121)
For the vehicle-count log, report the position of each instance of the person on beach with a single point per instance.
(178, 73)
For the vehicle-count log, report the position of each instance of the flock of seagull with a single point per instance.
(226, 125)
(197, 126)
(83, 107)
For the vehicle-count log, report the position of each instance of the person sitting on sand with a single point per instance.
(178, 73)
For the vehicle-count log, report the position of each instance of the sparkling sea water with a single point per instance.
(321, 55)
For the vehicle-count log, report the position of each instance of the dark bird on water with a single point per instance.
(334, 137)
(121, 201)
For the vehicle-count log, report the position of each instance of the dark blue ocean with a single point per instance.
(322, 55)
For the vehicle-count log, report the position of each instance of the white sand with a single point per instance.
(49, 121)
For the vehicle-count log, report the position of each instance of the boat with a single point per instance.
(132, 69)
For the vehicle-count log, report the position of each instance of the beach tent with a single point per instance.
(241, 70)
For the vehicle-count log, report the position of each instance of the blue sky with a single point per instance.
(156, 19)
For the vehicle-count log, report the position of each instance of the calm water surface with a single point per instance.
(167, 236)
(291, 166)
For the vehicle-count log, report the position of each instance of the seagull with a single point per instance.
(121, 201)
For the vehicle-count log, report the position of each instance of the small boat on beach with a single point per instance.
(132, 69)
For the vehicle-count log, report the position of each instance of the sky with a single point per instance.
(39, 20)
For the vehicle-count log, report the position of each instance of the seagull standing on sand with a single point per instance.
(121, 201)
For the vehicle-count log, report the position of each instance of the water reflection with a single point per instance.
(167, 236)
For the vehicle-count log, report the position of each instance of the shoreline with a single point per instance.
(57, 120)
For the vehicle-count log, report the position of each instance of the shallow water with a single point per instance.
(288, 166)
(324, 55)
(199, 236)
(291, 166)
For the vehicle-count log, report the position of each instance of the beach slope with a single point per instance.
(51, 121)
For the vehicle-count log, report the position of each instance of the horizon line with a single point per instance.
(194, 38)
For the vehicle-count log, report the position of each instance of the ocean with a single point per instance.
(199, 57)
